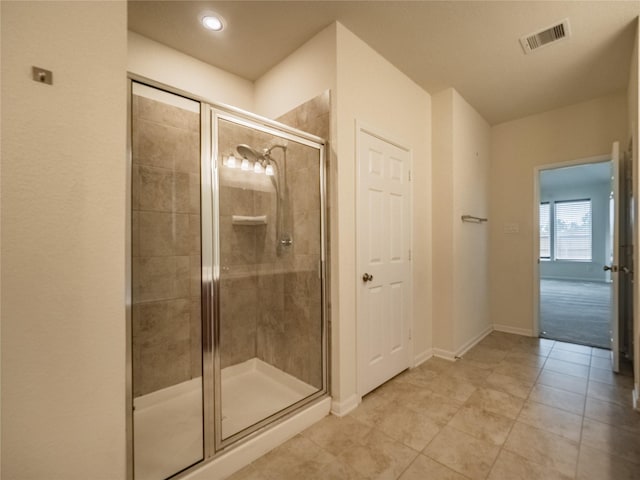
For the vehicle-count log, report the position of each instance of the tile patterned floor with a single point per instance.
(514, 408)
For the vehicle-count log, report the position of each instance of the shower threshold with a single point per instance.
(168, 422)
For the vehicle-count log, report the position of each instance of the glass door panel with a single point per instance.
(166, 283)
(270, 293)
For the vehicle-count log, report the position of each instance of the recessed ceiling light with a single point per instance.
(212, 22)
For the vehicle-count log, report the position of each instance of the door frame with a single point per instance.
(363, 127)
(536, 226)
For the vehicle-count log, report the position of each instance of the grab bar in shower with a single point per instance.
(472, 219)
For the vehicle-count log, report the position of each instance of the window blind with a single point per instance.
(573, 230)
(545, 231)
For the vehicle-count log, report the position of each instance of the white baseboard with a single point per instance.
(527, 332)
(444, 354)
(474, 341)
(422, 357)
(244, 454)
(340, 409)
(452, 356)
(636, 397)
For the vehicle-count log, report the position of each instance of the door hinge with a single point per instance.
(410, 334)
(409, 254)
(409, 175)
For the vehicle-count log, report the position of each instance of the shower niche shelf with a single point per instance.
(249, 220)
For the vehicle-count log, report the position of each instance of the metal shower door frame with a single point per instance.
(214, 445)
(282, 131)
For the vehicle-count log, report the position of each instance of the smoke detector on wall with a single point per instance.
(546, 36)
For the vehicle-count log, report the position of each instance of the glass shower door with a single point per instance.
(166, 283)
(270, 333)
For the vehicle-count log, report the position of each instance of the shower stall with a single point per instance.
(228, 288)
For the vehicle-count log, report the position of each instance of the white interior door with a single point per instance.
(384, 273)
(614, 212)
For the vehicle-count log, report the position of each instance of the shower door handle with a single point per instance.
(367, 278)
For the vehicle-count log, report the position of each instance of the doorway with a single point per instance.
(575, 221)
(580, 241)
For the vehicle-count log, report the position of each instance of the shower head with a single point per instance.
(245, 151)
(267, 151)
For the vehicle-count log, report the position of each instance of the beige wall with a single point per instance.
(63, 241)
(461, 151)
(304, 74)
(372, 91)
(163, 64)
(578, 131)
(634, 136)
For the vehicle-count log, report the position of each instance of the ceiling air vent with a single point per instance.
(546, 36)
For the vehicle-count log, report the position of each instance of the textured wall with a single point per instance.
(165, 245)
(63, 240)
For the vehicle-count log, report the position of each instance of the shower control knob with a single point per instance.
(367, 278)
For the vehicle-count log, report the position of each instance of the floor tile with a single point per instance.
(563, 381)
(605, 375)
(543, 448)
(612, 440)
(487, 426)
(547, 342)
(573, 357)
(497, 402)
(572, 347)
(495, 414)
(425, 468)
(484, 357)
(510, 466)
(437, 407)
(288, 458)
(519, 357)
(596, 465)
(600, 352)
(562, 399)
(409, 427)
(250, 472)
(567, 368)
(377, 457)
(438, 365)
(551, 419)
(611, 393)
(336, 434)
(613, 414)
(462, 453)
(527, 373)
(420, 377)
(513, 386)
(601, 362)
(457, 388)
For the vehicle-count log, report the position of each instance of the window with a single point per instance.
(573, 230)
(545, 230)
(566, 230)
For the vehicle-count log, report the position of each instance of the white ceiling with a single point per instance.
(470, 45)
(575, 176)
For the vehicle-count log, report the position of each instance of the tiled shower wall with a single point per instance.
(165, 245)
(271, 304)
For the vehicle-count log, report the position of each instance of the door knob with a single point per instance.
(367, 278)
(613, 268)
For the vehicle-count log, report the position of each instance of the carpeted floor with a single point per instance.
(576, 312)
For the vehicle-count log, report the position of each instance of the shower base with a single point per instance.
(253, 390)
(168, 430)
(168, 422)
